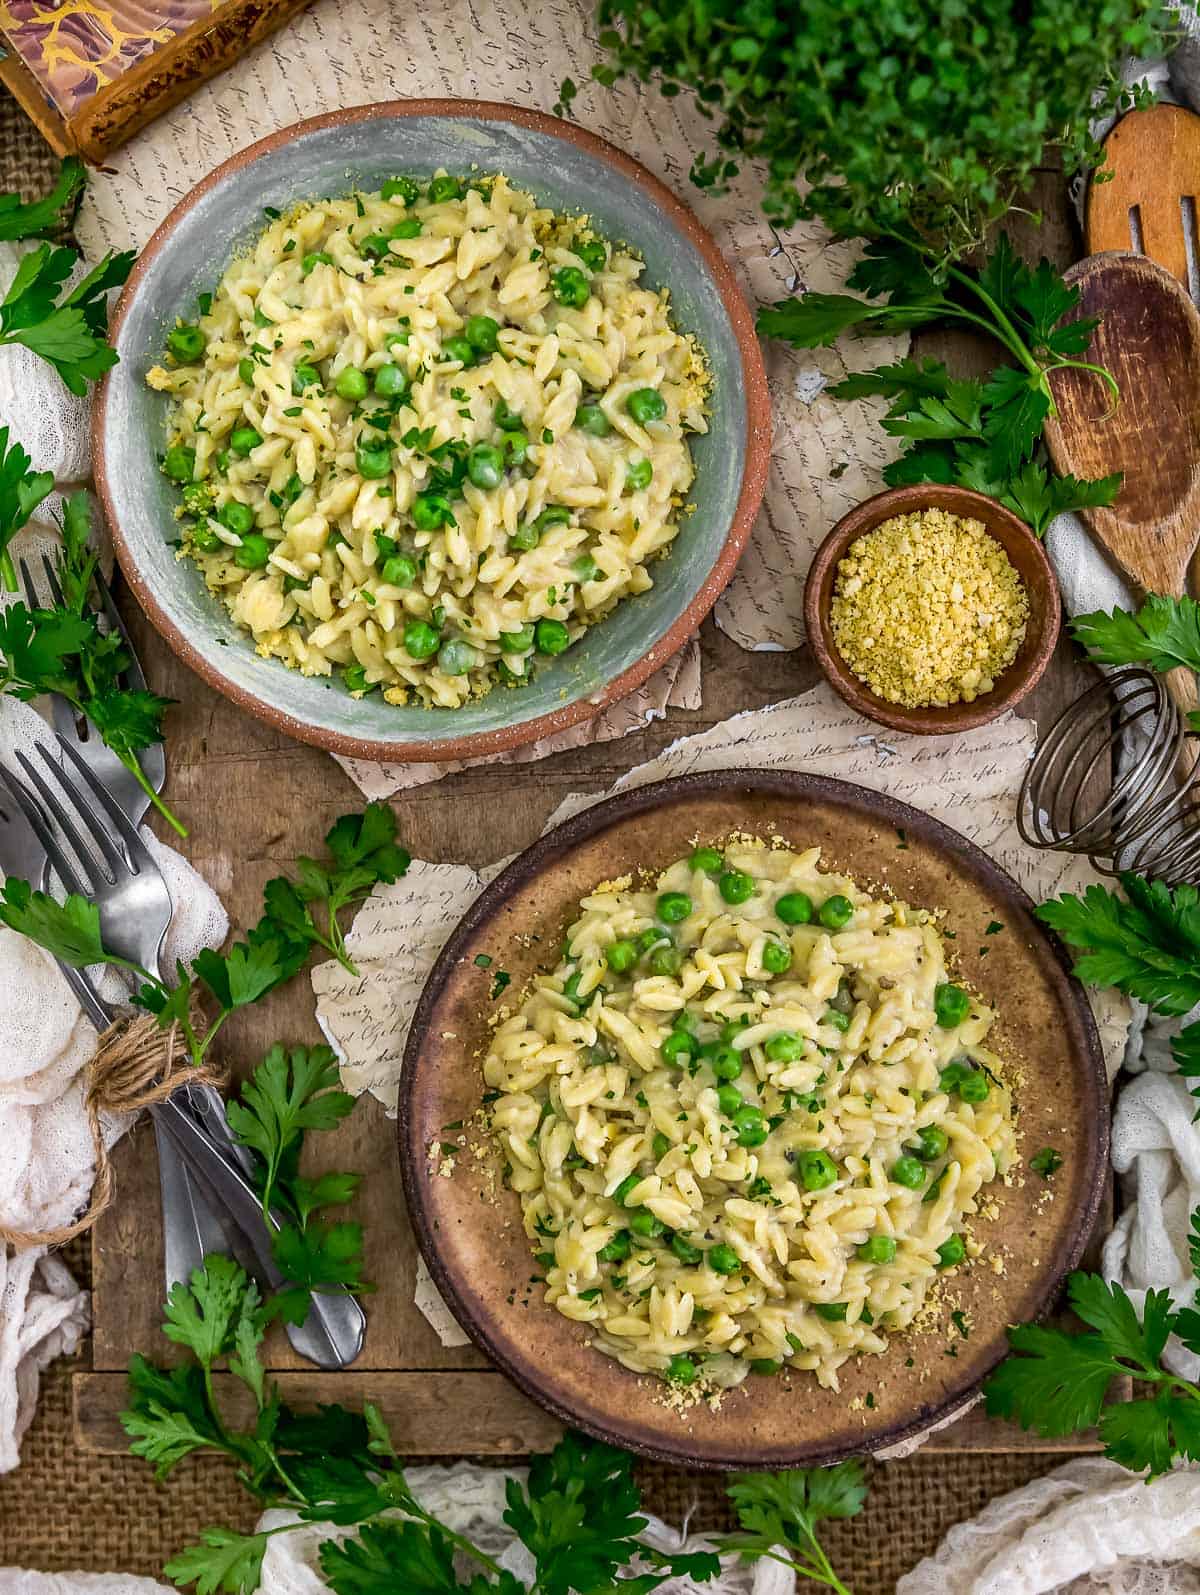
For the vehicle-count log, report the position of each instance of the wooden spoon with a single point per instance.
(1149, 202)
(1149, 338)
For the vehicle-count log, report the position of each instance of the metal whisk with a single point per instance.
(1105, 782)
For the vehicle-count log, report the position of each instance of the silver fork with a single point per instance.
(115, 870)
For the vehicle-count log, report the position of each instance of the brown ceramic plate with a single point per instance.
(1023, 549)
(476, 1248)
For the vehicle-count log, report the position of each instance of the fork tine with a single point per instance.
(66, 820)
(56, 591)
(62, 865)
(132, 675)
(27, 582)
(138, 856)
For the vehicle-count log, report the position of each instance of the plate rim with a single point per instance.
(756, 444)
(626, 804)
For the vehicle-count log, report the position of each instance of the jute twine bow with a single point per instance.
(135, 1064)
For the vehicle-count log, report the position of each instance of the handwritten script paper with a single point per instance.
(828, 455)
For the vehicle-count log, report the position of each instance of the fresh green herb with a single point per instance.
(1056, 1382)
(1163, 634)
(42, 216)
(71, 333)
(21, 491)
(1047, 1162)
(577, 1515)
(501, 981)
(980, 433)
(874, 120)
(62, 649)
(779, 1514)
(365, 852)
(1147, 944)
(287, 1095)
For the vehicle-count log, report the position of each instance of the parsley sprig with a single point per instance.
(1056, 1382)
(70, 333)
(577, 1514)
(21, 491)
(779, 1514)
(1163, 635)
(983, 434)
(62, 648)
(43, 216)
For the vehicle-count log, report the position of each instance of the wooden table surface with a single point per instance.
(254, 800)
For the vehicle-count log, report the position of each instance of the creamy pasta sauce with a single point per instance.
(747, 1116)
(426, 437)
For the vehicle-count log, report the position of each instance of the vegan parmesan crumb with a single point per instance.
(928, 609)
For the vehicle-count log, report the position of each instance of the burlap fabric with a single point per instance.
(64, 1508)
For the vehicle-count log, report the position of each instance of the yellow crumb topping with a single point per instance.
(927, 609)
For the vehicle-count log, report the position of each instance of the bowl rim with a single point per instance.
(936, 720)
(497, 1343)
(756, 452)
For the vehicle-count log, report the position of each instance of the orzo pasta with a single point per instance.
(747, 1116)
(427, 435)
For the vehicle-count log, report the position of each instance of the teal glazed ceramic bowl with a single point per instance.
(568, 169)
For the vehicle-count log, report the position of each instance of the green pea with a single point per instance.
(221, 460)
(765, 1366)
(726, 1063)
(460, 349)
(835, 912)
(507, 420)
(685, 1251)
(246, 370)
(585, 569)
(618, 1248)
(399, 571)
(645, 1224)
(910, 1172)
(186, 343)
(179, 463)
(351, 383)
(729, 1100)
(420, 639)
(429, 511)
(654, 937)
(794, 908)
(355, 677)
(373, 460)
(879, 1249)
(659, 1146)
(708, 860)
(621, 956)
(409, 227)
(205, 540)
(515, 674)
(638, 474)
(645, 405)
(516, 447)
(777, 957)
(836, 1018)
(834, 1312)
(932, 1142)
(483, 333)
(243, 439)
(975, 1088)
(313, 259)
(456, 658)
(405, 188)
(519, 641)
(237, 517)
(663, 959)
(553, 515)
(724, 1260)
(592, 252)
(735, 886)
(681, 1371)
(751, 1127)
(951, 1005)
(685, 1021)
(399, 338)
(951, 1252)
(551, 637)
(443, 189)
(390, 381)
(817, 1169)
(952, 1076)
(571, 287)
(673, 907)
(621, 1195)
(485, 465)
(304, 376)
(254, 552)
(785, 1047)
(677, 1046)
(590, 418)
(733, 1029)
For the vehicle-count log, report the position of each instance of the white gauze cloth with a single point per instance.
(468, 1500)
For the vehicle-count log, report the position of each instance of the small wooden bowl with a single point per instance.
(1028, 557)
